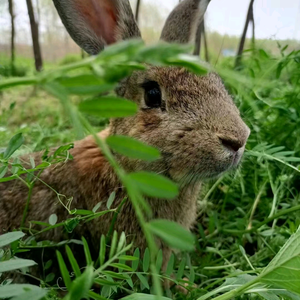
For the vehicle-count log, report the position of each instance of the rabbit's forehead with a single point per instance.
(179, 79)
(180, 85)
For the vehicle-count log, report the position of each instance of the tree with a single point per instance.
(137, 10)
(35, 37)
(250, 17)
(199, 34)
(12, 37)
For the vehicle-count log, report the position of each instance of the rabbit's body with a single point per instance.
(191, 119)
(88, 179)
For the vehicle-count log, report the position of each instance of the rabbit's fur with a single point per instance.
(198, 130)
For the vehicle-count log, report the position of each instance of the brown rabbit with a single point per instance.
(191, 119)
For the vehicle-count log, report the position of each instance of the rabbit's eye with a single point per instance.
(152, 94)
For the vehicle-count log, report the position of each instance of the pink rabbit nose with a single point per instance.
(231, 143)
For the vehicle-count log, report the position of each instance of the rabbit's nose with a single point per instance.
(231, 143)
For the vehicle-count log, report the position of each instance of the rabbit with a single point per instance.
(191, 119)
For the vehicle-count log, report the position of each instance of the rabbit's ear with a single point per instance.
(182, 23)
(95, 23)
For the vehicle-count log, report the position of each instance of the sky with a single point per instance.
(275, 19)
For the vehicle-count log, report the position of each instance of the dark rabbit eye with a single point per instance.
(152, 94)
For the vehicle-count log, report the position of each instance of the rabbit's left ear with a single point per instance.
(95, 23)
(182, 23)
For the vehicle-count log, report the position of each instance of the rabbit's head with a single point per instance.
(191, 119)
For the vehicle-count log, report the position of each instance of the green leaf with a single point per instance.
(130, 282)
(3, 171)
(73, 262)
(127, 257)
(64, 271)
(93, 295)
(135, 263)
(181, 269)
(113, 244)
(121, 267)
(105, 282)
(154, 185)
(110, 200)
(102, 250)
(132, 148)
(15, 264)
(173, 234)
(144, 297)
(284, 270)
(192, 271)
(115, 275)
(96, 207)
(32, 295)
(83, 212)
(53, 219)
(8, 238)
(146, 260)
(82, 284)
(122, 242)
(159, 260)
(109, 107)
(143, 280)
(170, 267)
(48, 264)
(87, 252)
(12, 290)
(85, 84)
(263, 54)
(14, 144)
(193, 63)
(50, 277)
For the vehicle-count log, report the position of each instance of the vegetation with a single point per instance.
(245, 243)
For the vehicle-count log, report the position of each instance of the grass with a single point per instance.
(244, 217)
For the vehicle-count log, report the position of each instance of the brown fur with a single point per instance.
(196, 132)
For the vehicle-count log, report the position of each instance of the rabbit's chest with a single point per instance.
(182, 210)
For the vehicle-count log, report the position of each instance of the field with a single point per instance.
(245, 217)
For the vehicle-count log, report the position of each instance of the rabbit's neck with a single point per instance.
(98, 180)
(182, 209)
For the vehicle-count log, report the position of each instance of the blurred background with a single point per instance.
(273, 21)
(255, 46)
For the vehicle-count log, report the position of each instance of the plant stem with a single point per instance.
(236, 292)
(25, 212)
(255, 205)
(266, 221)
(134, 198)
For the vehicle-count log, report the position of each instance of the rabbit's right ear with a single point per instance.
(183, 21)
(95, 23)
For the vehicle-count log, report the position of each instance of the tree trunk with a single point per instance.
(205, 42)
(253, 28)
(198, 40)
(35, 37)
(12, 38)
(243, 38)
(199, 34)
(137, 10)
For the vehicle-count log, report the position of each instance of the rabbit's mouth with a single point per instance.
(237, 158)
(233, 159)
(230, 162)
(202, 172)
(208, 165)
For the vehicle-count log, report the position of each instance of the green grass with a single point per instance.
(244, 217)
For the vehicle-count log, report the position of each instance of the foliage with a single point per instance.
(69, 58)
(248, 217)
(7, 70)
